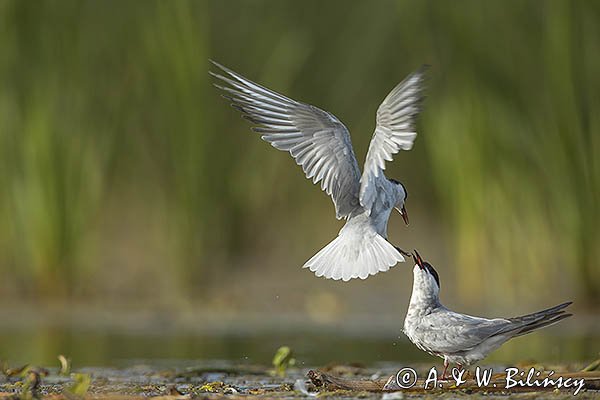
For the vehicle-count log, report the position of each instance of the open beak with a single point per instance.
(404, 214)
(417, 257)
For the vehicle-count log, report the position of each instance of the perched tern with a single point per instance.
(459, 338)
(321, 145)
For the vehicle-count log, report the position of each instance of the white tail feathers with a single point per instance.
(354, 254)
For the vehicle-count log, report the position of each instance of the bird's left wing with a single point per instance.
(316, 139)
(450, 332)
(395, 131)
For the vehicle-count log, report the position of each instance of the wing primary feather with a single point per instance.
(316, 139)
(259, 101)
(257, 105)
(253, 85)
(258, 119)
(260, 129)
(394, 132)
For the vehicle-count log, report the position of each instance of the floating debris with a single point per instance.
(212, 387)
(300, 386)
(593, 366)
(11, 372)
(135, 383)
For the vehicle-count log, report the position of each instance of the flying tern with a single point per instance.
(459, 338)
(321, 145)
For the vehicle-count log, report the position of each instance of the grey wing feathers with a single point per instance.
(454, 332)
(316, 139)
(395, 131)
(530, 322)
(449, 332)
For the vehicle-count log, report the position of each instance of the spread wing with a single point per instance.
(395, 131)
(316, 139)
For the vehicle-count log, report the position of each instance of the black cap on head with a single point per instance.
(403, 187)
(433, 272)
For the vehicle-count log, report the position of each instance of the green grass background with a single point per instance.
(125, 179)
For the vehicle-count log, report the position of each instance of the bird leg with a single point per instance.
(404, 253)
(460, 368)
(446, 363)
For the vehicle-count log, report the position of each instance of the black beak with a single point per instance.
(417, 257)
(404, 215)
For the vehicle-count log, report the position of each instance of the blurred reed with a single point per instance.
(125, 176)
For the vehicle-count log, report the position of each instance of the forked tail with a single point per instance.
(357, 252)
(531, 322)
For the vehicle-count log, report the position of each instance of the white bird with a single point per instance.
(321, 145)
(459, 338)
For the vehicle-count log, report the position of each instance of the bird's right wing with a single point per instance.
(395, 131)
(316, 139)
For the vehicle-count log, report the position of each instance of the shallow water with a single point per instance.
(41, 346)
(147, 358)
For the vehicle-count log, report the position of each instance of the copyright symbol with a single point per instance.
(406, 378)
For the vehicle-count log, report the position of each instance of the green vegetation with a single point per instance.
(120, 164)
(80, 385)
(282, 360)
(65, 365)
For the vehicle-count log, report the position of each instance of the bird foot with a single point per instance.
(404, 253)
